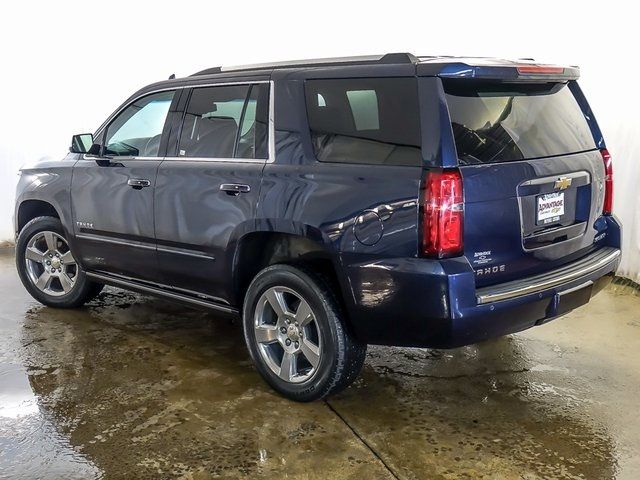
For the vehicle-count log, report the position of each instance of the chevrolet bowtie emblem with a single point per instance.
(562, 183)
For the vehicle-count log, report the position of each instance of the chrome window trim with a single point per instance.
(271, 141)
(271, 147)
(86, 156)
(212, 159)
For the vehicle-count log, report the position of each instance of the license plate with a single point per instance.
(550, 208)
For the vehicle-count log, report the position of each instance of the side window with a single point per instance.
(226, 122)
(364, 107)
(137, 130)
(365, 120)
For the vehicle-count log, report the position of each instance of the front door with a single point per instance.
(112, 194)
(206, 194)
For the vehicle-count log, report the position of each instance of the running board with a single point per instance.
(160, 292)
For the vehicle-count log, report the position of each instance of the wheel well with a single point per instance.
(30, 209)
(260, 249)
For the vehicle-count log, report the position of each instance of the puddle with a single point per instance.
(136, 387)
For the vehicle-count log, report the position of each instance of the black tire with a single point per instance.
(83, 289)
(341, 356)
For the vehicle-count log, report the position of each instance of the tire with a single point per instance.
(68, 286)
(327, 357)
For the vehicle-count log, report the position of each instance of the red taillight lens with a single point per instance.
(443, 214)
(607, 209)
(539, 69)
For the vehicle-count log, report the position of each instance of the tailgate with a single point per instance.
(533, 177)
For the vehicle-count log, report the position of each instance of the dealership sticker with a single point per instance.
(480, 258)
(550, 207)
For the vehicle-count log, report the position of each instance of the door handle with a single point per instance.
(235, 188)
(138, 183)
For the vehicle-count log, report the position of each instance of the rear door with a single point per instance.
(112, 195)
(206, 193)
(533, 177)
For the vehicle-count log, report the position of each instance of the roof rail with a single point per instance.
(389, 58)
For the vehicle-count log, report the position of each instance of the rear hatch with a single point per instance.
(532, 175)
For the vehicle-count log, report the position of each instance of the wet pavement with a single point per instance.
(135, 387)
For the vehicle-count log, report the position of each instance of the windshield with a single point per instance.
(495, 122)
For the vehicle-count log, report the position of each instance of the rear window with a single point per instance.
(501, 123)
(365, 120)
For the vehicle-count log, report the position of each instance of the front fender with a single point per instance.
(48, 182)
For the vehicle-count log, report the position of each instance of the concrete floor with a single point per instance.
(134, 387)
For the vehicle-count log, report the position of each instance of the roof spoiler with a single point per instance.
(509, 72)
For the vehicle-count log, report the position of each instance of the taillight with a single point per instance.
(539, 69)
(443, 214)
(607, 209)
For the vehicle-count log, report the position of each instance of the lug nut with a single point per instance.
(283, 330)
(53, 270)
(48, 262)
(287, 321)
(288, 342)
(297, 345)
(51, 255)
(296, 324)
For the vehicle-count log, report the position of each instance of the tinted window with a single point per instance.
(226, 122)
(137, 130)
(365, 120)
(364, 107)
(500, 123)
(252, 142)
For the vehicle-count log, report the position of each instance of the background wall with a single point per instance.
(66, 65)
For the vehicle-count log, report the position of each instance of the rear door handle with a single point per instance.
(138, 183)
(235, 188)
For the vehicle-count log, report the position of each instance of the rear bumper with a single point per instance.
(555, 278)
(516, 306)
(413, 302)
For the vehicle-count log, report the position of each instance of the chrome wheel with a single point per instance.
(287, 334)
(50, 265)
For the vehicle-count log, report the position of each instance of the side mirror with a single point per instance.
(82, 143)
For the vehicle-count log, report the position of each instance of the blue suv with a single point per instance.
(331, 204)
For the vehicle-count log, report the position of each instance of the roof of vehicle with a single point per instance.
(440, 65)
(525, 69)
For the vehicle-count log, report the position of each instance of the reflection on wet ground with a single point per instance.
(136, 387)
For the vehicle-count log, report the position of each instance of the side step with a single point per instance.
(161, 291)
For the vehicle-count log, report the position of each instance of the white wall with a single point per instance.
(66, 65)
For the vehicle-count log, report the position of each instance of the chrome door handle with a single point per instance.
(235, 188)
(138, 183)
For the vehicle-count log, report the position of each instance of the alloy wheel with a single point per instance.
(287, 334)
(50, 264)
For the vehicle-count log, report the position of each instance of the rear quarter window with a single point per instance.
(365, 120)
(501, 122)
